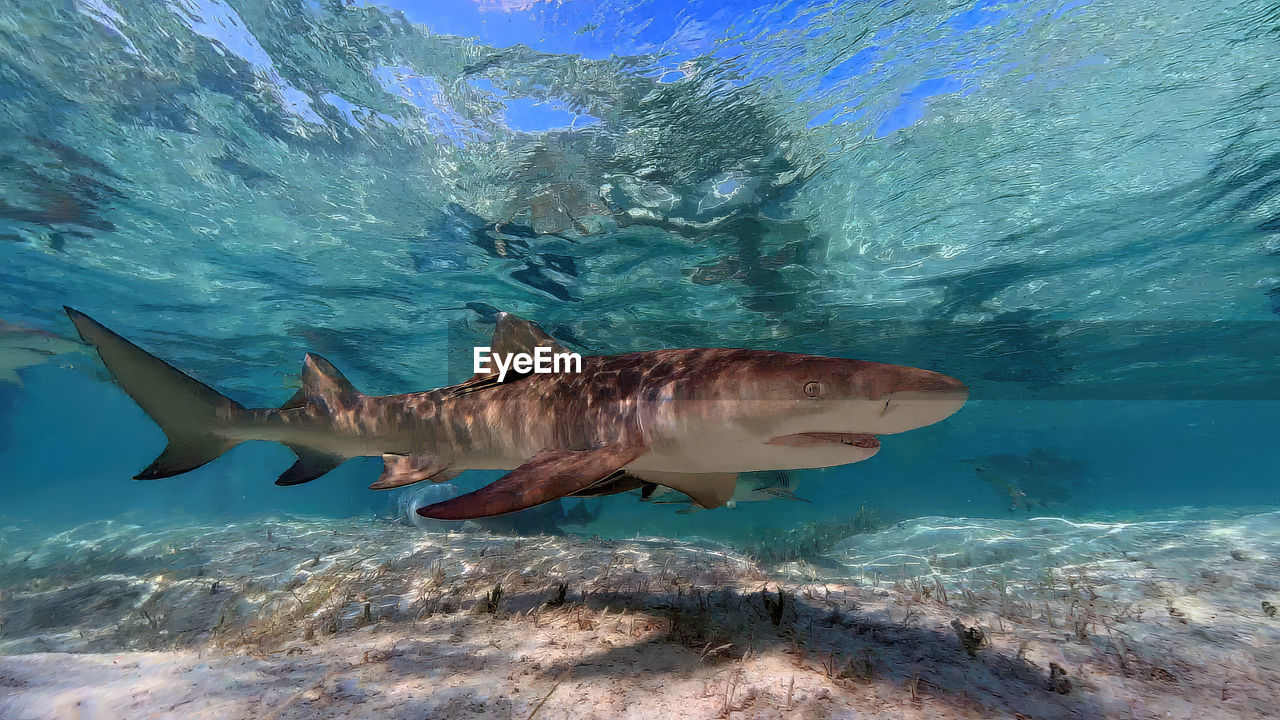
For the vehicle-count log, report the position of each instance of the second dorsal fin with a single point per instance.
(321, 383)
(321, 379)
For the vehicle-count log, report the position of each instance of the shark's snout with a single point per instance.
(949, 387)
(925, 398)
(927, 381)
(948, 391)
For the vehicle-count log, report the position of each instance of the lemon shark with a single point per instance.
(22, 347)
(689, 420)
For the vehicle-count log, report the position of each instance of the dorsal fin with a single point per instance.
(321, 379)
(511, 334)
(516, 335)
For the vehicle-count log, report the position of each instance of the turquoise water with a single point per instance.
(1072, 207)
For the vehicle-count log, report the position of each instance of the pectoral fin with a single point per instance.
(710, 490)
(401, 470)
(549, 475)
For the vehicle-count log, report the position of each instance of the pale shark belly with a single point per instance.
(724, 451)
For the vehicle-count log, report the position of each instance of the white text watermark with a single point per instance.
(542, 361)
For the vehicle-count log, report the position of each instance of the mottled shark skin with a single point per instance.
(689, 420)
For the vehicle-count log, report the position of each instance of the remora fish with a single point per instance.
(756, 487)
(689, 420)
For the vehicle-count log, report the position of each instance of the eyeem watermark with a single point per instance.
(542, 361)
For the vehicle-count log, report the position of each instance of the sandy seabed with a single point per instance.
(932, 618)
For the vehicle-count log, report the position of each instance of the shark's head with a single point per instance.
(781, 410)
(808, 394)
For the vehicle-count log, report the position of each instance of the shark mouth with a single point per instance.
(816, 439)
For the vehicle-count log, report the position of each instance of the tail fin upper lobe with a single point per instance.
(190, 413)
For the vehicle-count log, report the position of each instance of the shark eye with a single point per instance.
(812, 389)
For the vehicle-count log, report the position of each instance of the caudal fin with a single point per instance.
(190, 413)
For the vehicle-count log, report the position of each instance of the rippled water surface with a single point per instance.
(1074, 207)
